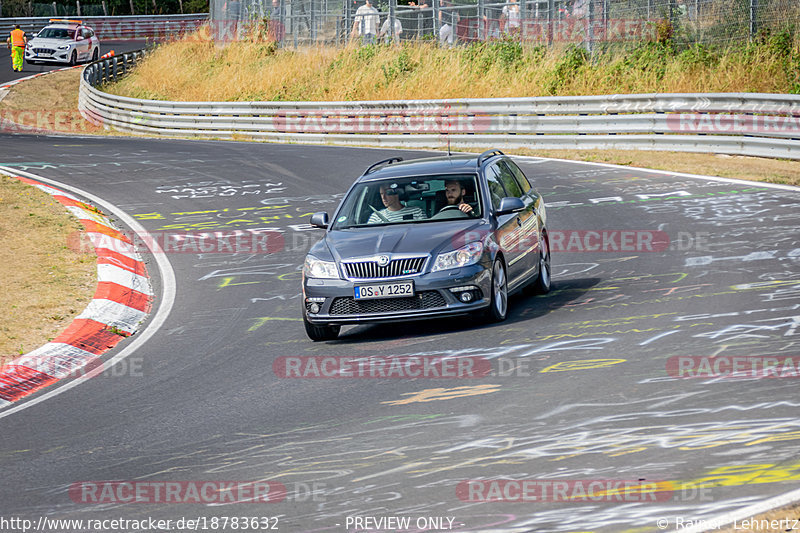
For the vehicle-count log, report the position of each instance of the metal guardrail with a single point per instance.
(763, 125)
(117, 28)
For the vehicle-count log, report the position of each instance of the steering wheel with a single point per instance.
(448, 207)
(379, 214)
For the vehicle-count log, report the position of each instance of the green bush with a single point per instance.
(574, 59)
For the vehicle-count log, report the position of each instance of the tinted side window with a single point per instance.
(88, 33)
(496, 190)
(522, 181)
(508, 180)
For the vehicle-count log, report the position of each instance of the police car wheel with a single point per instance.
(95, 54)
(73, 59)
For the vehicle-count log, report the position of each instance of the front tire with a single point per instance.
(73, 59)
(498, 307)
(95, 55)
(320, 333)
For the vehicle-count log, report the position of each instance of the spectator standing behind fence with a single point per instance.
(425, 19)
(448, 19)
(397, 29)
(366, 23)
(510, 18)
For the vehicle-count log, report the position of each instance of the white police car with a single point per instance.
(63, 41)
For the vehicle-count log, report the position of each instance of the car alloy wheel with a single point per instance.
(73, 59)
(498, 308)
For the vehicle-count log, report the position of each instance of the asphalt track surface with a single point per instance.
(7, 73)
(591, 398)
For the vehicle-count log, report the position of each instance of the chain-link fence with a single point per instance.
(335, 22)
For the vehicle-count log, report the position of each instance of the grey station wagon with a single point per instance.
(427, 238)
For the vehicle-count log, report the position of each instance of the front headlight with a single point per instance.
(316, 268)
(64, 47)
(465, 256)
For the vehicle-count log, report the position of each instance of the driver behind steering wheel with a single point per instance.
(454, 192)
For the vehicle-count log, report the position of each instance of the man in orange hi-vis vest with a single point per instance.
(16, 42)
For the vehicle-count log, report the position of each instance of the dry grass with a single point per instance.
(46, 104)
(193, 69)
(45, 284)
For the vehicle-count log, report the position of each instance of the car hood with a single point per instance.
(50, 43)
(422, 238)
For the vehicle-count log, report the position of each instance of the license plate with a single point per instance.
(384, 290)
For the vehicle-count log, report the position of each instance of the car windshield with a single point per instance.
(410, 200)
(56, 33)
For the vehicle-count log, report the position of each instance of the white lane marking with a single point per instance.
(164, 305)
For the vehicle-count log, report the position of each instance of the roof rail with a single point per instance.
(487, 154)
(373, 167)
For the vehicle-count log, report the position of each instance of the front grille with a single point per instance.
(44, 51)
(420, 301)
(395, 268)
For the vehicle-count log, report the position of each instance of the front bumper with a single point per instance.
(58, 56)
(432, 298)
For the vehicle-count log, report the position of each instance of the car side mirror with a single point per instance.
(510, 205)
(320, 220)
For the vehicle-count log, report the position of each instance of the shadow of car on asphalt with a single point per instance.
(521, 309)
